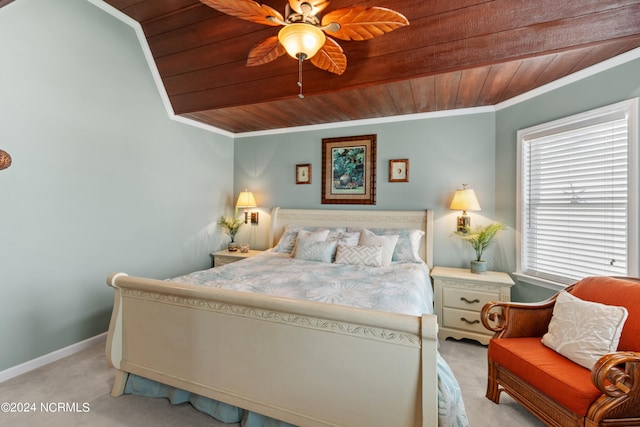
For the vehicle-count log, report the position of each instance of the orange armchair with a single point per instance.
(555, 389)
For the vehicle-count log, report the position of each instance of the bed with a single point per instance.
(319, 362)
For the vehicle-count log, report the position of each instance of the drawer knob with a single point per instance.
(468, 301)
(469, 321)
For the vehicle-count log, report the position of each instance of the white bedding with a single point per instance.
(402, 287)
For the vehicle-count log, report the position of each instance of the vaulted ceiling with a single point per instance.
(454, 54)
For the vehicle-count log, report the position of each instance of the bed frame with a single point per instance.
(306, 363)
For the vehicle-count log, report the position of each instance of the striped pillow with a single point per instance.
(359, 255)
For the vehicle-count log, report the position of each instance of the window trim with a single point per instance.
(633, 240)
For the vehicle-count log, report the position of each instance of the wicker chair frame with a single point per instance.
(616, 375)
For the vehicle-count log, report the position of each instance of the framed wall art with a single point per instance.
(303, 173)
(399, 170)
(349, 170)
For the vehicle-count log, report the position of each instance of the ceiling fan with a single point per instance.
(303, 35)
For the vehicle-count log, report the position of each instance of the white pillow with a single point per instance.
(408, 246)
(359, 255)
(584, 331)
(315, 236)
(319, 251)
(287, 241)
(388, 243)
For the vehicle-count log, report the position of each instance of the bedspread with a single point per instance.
(400, 288)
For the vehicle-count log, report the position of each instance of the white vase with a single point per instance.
(478, 267)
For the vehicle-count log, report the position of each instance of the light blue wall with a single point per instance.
(607, 87)
(443, 152)
(102, 180)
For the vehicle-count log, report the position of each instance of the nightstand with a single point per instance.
(460, 296)
(224, 256)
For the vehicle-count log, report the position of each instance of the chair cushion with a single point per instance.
(566, 382)
(620, 292)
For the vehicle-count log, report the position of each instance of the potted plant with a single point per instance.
(230, 226)
(480, 238)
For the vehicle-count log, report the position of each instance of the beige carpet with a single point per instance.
(75, 391)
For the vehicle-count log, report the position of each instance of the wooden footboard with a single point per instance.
(306, 363)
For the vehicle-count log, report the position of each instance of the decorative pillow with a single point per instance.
(408, 247)
(311, 250)
(388, 243)
(359, 255)
(316, 236)
(584, 331)
(346, 238)
(334, 233)
(288, 239)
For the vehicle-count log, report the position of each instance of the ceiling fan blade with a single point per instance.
(330, 58)
(265, 51)
(246, 9)
(363, 23)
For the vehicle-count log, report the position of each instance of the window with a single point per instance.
(578, 196)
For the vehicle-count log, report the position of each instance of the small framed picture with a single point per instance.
(399, 170)
(303, 174)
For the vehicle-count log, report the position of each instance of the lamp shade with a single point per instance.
(246, 200)
(465, 200)
(300, 40)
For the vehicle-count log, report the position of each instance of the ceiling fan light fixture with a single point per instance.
(301, 41)
(302, 35)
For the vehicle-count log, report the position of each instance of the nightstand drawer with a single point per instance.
(463, 319)
(467, 299)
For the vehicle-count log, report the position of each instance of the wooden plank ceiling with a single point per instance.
(454, 54)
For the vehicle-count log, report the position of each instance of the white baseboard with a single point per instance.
(45, 359)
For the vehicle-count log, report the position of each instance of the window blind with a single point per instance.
(575, 200)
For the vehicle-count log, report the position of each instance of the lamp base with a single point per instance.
(464, 222)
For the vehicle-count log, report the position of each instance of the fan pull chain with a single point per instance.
(300, 59)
